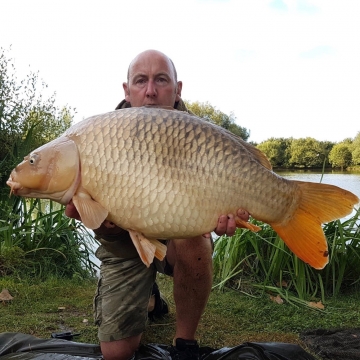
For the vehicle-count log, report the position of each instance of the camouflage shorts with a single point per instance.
(122, 296)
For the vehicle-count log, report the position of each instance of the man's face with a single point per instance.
(152, 81)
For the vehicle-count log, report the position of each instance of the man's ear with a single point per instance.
(126, 91)
(178, 91)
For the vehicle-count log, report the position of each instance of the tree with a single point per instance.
(355, 150)
(36, 237)
(27, 120)
(276, 150)
(340, 155)
(211, 114)
(308, 152)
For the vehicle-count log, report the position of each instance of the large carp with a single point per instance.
(162, 174)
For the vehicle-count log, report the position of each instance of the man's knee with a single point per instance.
(191, 251)
(193, 247)
(122, 349)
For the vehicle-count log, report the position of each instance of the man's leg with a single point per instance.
(121, 303)
(191, 260)
(120, 349)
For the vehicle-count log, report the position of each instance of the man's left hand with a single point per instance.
(226, 224)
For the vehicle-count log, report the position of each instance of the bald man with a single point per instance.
(124, 289)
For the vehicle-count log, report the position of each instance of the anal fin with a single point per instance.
(147, 248)
(160, 248)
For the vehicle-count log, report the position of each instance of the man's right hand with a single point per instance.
(70, 211)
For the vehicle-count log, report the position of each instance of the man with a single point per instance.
(125, 282)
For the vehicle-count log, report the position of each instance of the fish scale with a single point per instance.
(165, 174)
(190, 174)
(144, 156)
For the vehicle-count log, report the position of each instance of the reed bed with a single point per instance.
(252, 262)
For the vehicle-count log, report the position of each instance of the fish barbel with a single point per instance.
(165, 174)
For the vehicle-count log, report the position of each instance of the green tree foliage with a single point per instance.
(276, 150)
(340, 155)
(27, 120)
(210, 113)
(36, 238)
(356, 150)
(308, 152)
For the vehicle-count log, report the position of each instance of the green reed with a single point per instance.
(37, 239)
(262, 261)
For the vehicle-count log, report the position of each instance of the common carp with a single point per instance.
(163, 174)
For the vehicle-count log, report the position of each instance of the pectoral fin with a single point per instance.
(91, 212)
(147, 248)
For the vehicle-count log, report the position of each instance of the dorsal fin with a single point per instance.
(259, 156)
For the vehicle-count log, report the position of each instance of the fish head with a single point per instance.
(52, 171)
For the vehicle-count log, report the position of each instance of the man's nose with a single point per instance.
(151, 89)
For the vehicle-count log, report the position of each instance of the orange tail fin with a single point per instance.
(302, 232)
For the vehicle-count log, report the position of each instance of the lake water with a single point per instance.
(345, 180)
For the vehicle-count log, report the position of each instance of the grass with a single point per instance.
(230, 318)
(264, 259)
(35, 307)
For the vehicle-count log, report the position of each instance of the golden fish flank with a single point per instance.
(163, 173)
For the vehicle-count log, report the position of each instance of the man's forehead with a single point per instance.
(136, 73)
(151, 66)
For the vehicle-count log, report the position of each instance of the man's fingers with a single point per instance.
(71, 212)
(231, 225)
(221, 225)
(226, 225)
(109, 224)
(243, 214)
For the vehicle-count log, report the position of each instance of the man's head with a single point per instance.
(152, 80)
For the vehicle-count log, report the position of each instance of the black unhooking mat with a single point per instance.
(334, 344)
(21, 346)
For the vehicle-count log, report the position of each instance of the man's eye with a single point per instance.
(140, 81)
(162, 80)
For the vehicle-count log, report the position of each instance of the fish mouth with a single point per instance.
(14, 186)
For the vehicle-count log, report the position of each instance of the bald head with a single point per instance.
(152, 80)
(153, 54)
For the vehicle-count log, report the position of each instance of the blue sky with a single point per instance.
(285, 68)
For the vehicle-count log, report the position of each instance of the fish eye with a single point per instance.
(32, 159)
